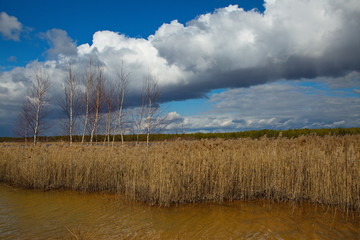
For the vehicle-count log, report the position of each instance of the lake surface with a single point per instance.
(33, 214)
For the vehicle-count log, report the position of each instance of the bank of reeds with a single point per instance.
(323, 170)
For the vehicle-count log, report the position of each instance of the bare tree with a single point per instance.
(150, 105)
(89, 85)
(122, 77)
(154, 118)
(108, 96)
(183, 127)
(138, 115)
(70, 104)
(21, 127)
(35, 107)
(97, 103)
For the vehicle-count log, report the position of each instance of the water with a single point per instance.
(32, 214)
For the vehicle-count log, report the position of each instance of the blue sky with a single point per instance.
(81, 19)
(222, 65)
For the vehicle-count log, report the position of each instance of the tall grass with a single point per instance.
(323, 170)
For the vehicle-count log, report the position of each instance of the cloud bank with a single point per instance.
(234, 48)
(278, 105)
(229, 48)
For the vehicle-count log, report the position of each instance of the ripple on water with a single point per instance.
(29, 214)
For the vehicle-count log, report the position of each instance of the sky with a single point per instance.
(221, 65)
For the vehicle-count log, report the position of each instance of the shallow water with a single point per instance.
(32, 214)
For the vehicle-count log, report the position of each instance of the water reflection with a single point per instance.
(31, 214)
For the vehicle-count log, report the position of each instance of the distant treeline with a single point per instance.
(291, 133)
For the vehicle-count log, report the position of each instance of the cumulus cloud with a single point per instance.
(61, 44)
(139, 56)
(10, 27)
(290, 40)
(236, 48)
(231, 47)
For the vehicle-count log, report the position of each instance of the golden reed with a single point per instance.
(323, 170)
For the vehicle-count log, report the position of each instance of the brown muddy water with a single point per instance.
(32, 214)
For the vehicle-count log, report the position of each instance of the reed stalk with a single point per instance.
(324, 170)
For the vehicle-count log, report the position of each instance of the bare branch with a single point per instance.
(97, 102)
(122, 77)
(90, 76)
(70, 103)
(34, 111)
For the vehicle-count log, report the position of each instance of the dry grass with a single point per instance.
(323, 170)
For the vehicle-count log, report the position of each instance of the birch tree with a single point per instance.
(70, 102)
(21, 128)
(154, 118)
(138, 115)
(122, 77)
(108, 96)
(89, 85)
(35, 107)
(97, 102)
(150, 104)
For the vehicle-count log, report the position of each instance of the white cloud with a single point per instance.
(229, 48)
(10, 27)
(139, 55)
(279, 105)
(234, 48)
(232, 39)
(350, 80)
(173, 116)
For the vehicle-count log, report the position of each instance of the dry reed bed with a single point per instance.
(323, 170)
